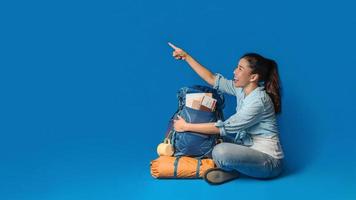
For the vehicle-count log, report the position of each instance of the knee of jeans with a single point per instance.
(218, 151)
(273, 169)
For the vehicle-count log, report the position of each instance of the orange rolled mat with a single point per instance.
(180, 167)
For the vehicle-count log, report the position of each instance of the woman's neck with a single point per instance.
(249, 88)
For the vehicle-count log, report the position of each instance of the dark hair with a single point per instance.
(268, 73)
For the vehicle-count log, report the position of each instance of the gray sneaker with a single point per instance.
(216, 176)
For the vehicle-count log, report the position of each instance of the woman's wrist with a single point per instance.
(186, 127)
(187, 57)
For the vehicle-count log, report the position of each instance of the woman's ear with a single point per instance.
(254, 78)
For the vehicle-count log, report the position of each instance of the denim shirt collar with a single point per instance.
(252, 93)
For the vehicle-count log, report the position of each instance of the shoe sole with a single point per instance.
(229, 176)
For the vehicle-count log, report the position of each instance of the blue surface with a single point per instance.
(87, 89)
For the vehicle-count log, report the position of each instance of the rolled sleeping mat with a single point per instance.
(180, 167)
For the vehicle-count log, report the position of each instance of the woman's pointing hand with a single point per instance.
(178, 53)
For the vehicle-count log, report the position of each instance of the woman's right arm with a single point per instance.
(203, 72)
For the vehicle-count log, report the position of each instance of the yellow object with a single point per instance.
(165, 148)
(180, 167)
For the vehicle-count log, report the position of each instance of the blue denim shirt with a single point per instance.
(254, 114)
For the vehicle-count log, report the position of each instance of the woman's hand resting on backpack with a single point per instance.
(180, 124)
(178, 53)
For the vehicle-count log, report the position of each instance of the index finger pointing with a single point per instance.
(174, 47)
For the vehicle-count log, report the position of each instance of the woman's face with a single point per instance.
(242, 73)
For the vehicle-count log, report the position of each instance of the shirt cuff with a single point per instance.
(240, 135)
(220, 124)
(217, 80)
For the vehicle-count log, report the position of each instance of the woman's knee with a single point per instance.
(218, 151)
(224, 151)
(227, 150)
(218, 154)
(227, 155)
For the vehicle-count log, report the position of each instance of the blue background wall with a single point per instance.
(87, 89)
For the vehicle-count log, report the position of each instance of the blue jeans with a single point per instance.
(253, 163)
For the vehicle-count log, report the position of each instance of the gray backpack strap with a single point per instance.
(176, 166)
(198, 168)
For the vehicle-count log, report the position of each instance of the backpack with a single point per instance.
(191, 143)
